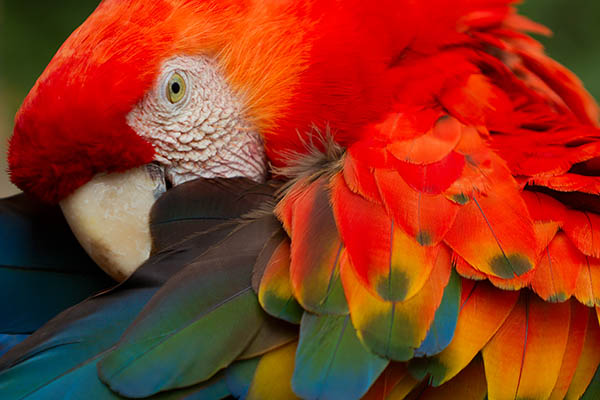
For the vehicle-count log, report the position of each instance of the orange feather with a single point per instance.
(577, 332)
(431, 147)
(589, 360)
(544, 208)
(393, 377)
(476, 101)
(360, 179)
(482, 313)
(569, 183)
(583, 228)
(587, 289)
(469, 384)
(433, 178)
(556, 274)
(466, 270)
(425, 217)
(535, 334)
(386, 260)
(395, 329)
(494, 234)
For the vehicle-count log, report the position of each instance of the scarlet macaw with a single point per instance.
(369, 199)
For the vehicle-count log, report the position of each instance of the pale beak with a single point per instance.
(110, 217)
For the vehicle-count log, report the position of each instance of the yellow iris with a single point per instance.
(175, 88)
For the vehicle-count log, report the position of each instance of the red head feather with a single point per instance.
(294, 64)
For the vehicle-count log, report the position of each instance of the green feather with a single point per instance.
(272, 334)
(331, 362)
(64, 352)
(593, 390)
(197, 324)
(275, 291)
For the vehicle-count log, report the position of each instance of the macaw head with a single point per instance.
(186, 87)
(147, 94)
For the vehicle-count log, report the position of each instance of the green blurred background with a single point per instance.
(31, 31)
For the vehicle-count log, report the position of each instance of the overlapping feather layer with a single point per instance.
(451, 251)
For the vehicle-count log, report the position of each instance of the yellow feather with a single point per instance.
(273, 376)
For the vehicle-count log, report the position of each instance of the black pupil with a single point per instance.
(175, 87)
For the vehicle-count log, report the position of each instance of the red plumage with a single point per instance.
(460, 148)
(350, 64)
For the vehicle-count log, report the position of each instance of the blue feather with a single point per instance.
(9, 341)
(442, 329)
(83, 383)
(239, 375)
(331, 362)
(43, 269)
(67, 344)
(79, 335)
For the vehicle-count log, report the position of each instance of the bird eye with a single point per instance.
(175, 88)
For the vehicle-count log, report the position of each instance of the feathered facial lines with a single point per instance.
(197, 123)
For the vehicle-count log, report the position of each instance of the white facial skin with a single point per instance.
(200, 133)
(204, 134)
